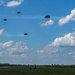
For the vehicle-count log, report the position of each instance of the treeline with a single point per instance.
(52, 65)
(6, 64)
(57, 65)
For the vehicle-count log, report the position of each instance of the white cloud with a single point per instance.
(67, 18)
(50, 22)
(67, 40)
(48, 50)
(40, 51)
(12, 48)
(8, 44)
(1, 31)
(59, 44)
(14, 3)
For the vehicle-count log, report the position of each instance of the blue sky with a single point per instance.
(49, 40)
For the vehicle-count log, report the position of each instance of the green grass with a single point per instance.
(41, 70)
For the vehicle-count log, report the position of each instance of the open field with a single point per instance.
(40, 70)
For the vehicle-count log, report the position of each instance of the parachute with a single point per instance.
(5, 19)
(47, 16)
(18, 12)
(25, 35)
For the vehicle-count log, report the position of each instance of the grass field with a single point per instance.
(40, 70)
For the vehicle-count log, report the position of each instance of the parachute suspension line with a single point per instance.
(5, 20)
(19, 13)
(25, 35)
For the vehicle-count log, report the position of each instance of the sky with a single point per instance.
(49, 40)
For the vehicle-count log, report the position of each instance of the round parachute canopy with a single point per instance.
(25, 33)
(18, 12)
(47, 16)
(5, 19)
